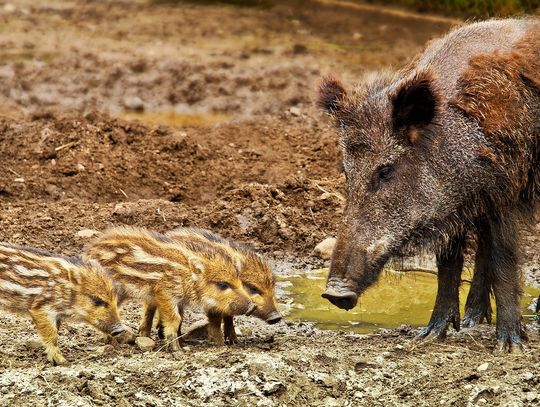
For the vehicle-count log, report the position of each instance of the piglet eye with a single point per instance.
(252, 289)
(222, 285)
(98, 302)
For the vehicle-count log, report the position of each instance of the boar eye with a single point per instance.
(222, 285)
(381, 175)
(98, 302)
(252, 289)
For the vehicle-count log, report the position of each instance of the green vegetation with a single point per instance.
(470, 8)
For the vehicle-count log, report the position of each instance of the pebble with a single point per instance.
(119, 380)
(324, 249)
(295, 111)
(87, 233)
(134, 103)
(144, 343)
(272, 387)
(527, 376)
(483, 367)
(532, 396)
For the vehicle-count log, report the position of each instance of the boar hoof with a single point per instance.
(438, 325)
(475, 316)
(513, 347)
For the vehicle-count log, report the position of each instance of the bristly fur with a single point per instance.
(446, 147)
(167, 275)
(50, 288)
(254, 271)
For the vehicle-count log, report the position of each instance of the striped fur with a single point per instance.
(50, 288)
(255, 274)
(166, 275)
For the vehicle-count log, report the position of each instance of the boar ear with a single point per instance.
(415, 103)
(331, 94)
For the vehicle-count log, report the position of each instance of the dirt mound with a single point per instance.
(102, 159)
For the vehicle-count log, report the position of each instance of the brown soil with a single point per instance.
(266, 175)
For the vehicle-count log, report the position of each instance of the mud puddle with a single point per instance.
(175, 119)
(398, 298)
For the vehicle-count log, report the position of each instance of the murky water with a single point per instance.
(177, 119)
(398, 298)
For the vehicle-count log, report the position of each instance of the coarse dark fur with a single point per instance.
(448, 146)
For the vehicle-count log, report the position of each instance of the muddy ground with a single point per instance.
(246, 154)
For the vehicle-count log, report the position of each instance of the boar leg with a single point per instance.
(228, 330)
(214, 329)
(498, 238)
(149, 310)
(171, 319)
(49, 335)
(446, 310)
(478, 305)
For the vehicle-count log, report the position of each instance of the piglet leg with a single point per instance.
(46, 328)
(214, 329)
(228, 330)
(171, 319)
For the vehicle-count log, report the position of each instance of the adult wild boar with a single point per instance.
(446, 147)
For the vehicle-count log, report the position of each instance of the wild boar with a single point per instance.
(51, 288)
(167, 276)
(448, 146)
(255, 274)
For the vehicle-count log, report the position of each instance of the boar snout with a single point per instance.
(344, 298)
(274, 318)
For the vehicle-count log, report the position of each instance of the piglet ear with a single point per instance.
(331, 94)
(197, 266)
(415, 103)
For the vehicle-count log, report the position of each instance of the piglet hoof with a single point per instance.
(475, 315)
(57, 359)
(230, 336)
(174, 345)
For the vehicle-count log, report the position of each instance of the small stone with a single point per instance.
(357, 36)
(144, 343)
(10, 8)
(21, 180)
(295, 111)
(532, 396)
(34, 344)
(87, 233)
(399, 347)
(527, 376)
(483, 367)
(80, 167)
(272, 387)
(119, 380)
(245, 331)
(482, 401)
(133, 103)
(468, 386)
(324, 249)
